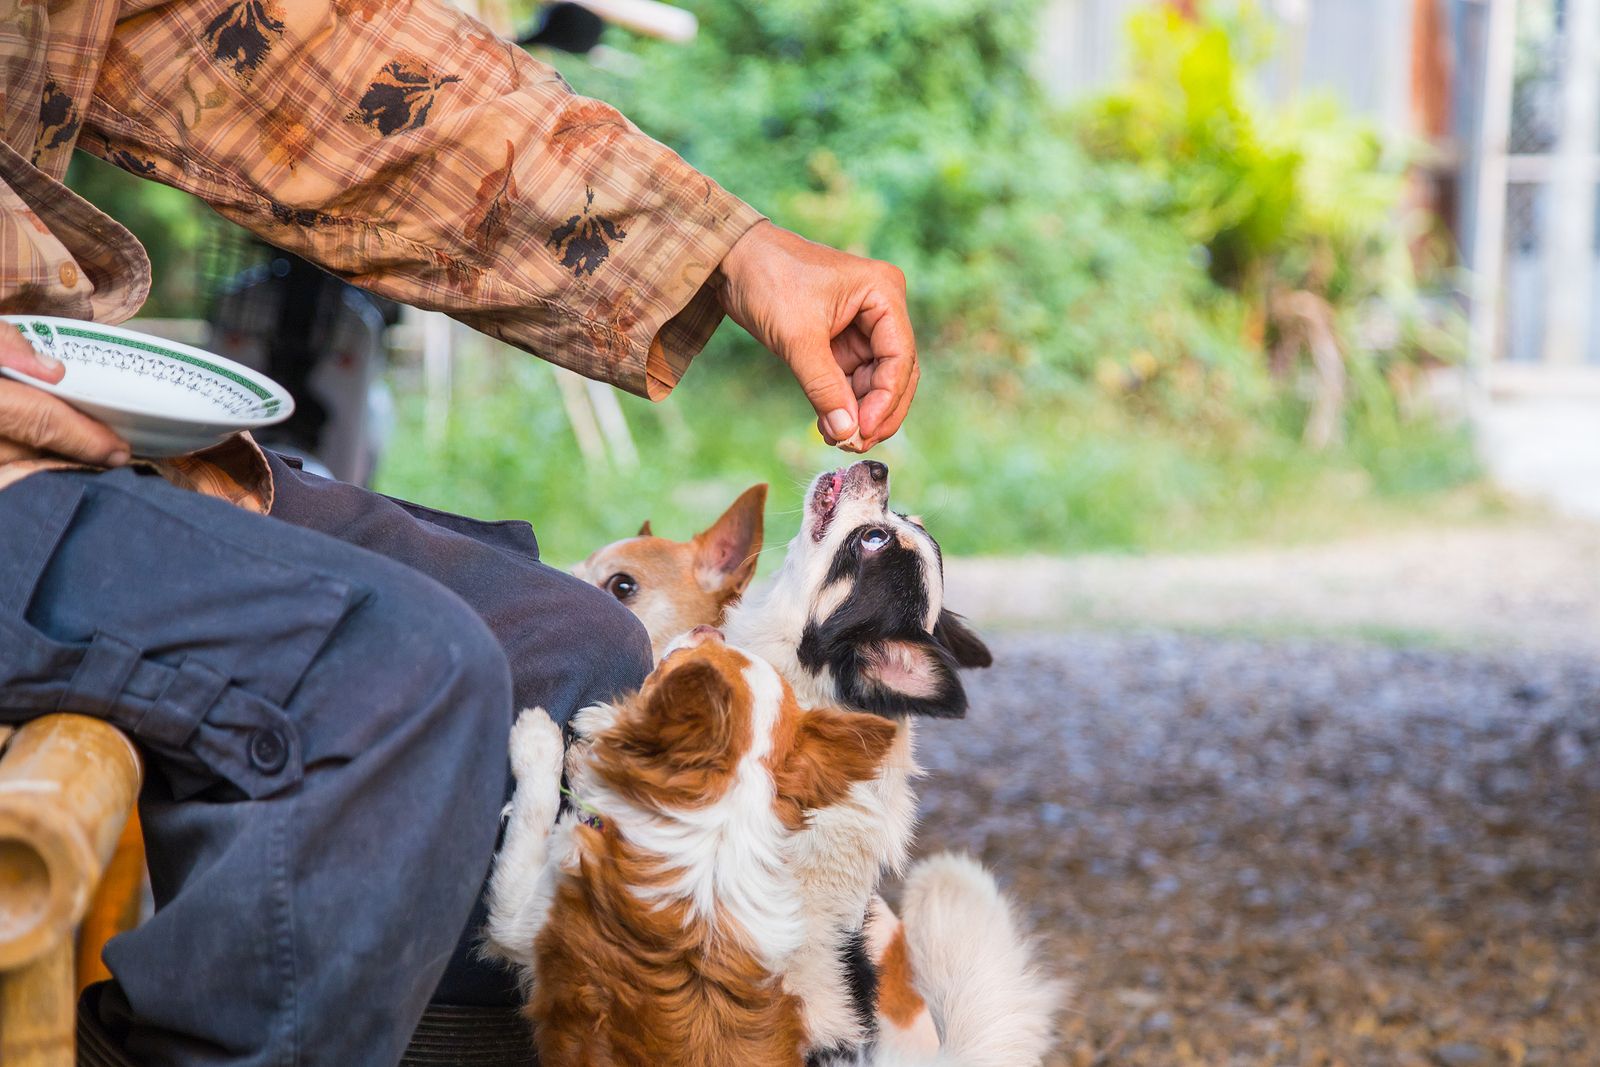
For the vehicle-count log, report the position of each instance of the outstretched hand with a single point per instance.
(34, 423)
(839, 321)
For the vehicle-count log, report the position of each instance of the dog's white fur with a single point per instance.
(974, 966)
(841, 856)
(537, 848)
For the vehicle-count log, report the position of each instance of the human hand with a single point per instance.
(839, 321)
(34, 423)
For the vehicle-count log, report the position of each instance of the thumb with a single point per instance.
(825, 386)
(17, 354)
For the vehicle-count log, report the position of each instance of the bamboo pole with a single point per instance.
(38, 1011)
(116, 904)
(67, 783)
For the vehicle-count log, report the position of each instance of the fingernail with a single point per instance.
(46, 359)
(118, 458)
(840, 424)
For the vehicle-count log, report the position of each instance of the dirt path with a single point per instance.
(1526, 583)
(1307, 850)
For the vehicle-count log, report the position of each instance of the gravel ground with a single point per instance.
(1291, 852)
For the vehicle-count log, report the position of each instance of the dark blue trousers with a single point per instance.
(323, 699)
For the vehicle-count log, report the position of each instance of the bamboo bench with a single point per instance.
(68, 784)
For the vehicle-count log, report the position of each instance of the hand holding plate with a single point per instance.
(33, 423)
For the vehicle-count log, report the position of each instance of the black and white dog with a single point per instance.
(855, 618)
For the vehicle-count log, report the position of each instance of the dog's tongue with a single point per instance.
(827, 499)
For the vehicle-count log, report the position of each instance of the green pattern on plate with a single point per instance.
(253, 401)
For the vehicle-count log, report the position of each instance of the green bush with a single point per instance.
(1045, 474)
(1168, 244)
(172, 226)
(1299, 210)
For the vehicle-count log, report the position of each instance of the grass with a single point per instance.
(1043, 475)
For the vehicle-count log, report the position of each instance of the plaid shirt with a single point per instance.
(398, 143)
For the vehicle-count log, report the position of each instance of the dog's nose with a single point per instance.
(878, 471)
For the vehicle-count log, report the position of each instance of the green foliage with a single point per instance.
(1091, 290)
(1305, 200)
(1047, 474)
(171, 225)
(1098, 293)
(1184, 119)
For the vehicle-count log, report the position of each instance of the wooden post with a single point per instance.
(67, 783)
(38, 1011)
(115, 905)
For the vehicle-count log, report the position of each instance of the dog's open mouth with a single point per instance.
(825, 501)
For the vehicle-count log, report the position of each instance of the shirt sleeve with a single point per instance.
(406, 148)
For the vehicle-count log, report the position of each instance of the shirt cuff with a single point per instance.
(685, 334)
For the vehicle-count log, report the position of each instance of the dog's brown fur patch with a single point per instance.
(678, 743)
(898, 999)
(622, 984)
(819, 754)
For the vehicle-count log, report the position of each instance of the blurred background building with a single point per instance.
(1502, 95)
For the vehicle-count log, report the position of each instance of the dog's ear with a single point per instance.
(727, 551)
(908, 677)
(964, 646)
(686, 715)
(832, 751)
(644, 531)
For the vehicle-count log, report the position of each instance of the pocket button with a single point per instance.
(268, 751)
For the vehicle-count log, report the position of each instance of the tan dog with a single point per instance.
(674, 586)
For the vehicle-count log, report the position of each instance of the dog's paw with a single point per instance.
(536, 750)
(592, 721)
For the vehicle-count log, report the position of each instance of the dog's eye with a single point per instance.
(874, 539)
(622, 586)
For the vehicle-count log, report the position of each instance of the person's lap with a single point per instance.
(326, 729)
(567, 643)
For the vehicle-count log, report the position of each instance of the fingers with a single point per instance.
(34, 422)
(891, 424)
(10, 452)
(838, 320)
(31, 419)
(887, 326)
(826, 387)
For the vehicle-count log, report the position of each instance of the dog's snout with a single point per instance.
(865, 479)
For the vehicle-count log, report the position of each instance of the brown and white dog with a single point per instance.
(855, 618)
(655, 921)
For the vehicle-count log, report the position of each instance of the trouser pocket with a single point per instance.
(126, 599)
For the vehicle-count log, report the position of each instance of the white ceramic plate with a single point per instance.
(164, 398)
